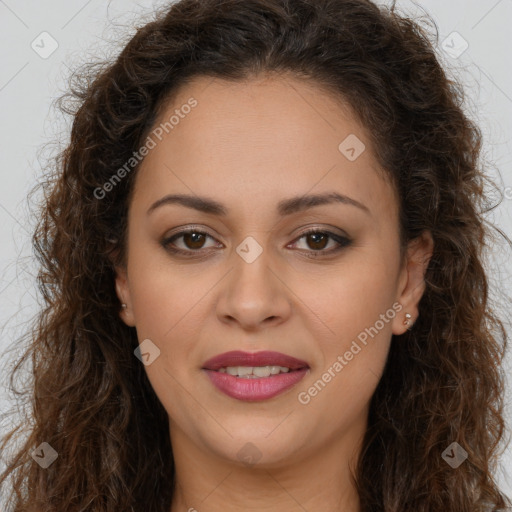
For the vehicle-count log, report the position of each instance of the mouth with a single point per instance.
(257, 360)
(254, 372)
(254, 377)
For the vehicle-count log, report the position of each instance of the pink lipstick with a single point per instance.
(254, 376)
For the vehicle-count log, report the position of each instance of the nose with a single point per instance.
(253, 295)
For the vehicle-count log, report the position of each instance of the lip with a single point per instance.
(266, 358)
(262, 388)
(252, 390)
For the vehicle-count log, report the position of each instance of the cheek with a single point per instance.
(340, 389)
(359, 310)
(352, 296)
(339, 394)
(166, 297)
(169, 305)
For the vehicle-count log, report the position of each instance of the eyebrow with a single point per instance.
(284, 207)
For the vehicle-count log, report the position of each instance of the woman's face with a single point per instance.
(262, 151)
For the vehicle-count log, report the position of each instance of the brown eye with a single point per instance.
(191, 243)
(319, 240)
(194, 240)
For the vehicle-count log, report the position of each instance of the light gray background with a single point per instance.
(29, 84)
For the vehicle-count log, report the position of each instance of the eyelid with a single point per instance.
(321, 229)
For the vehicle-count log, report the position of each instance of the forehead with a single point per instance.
(261, 139)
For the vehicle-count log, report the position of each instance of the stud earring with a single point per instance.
(407, 320)
(123, 306)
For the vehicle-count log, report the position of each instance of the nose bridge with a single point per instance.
(252, 276)
(253, 292)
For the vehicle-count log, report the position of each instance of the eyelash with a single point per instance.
(343, 242)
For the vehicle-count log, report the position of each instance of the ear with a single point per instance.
(123, 293)
(412, 280)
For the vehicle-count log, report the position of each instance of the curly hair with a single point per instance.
(90, 397)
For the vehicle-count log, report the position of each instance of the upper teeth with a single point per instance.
(254, 371)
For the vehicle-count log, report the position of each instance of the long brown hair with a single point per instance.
(90, 397)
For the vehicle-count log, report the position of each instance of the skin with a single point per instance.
(250, 145)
